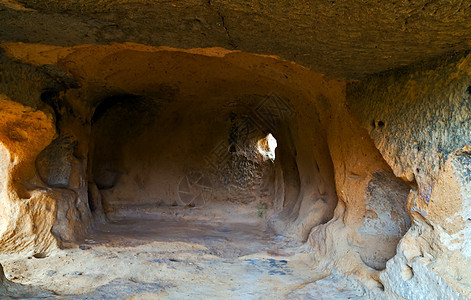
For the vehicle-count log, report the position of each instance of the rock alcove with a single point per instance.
(146, 134)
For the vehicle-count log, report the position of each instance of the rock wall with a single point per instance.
(27, 208)
(419, 119)
(371, 215)
(40, 166)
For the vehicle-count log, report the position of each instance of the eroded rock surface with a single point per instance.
(419, 119)
(345, 39)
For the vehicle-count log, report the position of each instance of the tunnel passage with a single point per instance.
(182, 136)
(175, 132)
(160, 155)
(152, 153)
(152, 133)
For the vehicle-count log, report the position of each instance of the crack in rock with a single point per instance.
(231, 41)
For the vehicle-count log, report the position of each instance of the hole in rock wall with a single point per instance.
(267, 147)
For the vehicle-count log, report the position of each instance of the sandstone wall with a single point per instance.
(419, 119)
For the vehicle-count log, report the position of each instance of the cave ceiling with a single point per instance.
(341, 38)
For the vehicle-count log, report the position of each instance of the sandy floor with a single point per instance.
(156, 258)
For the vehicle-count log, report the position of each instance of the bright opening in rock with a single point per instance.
(267, 147)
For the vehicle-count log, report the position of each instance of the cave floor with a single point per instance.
(154, 258)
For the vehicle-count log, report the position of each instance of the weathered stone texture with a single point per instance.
(345, 39)
(28, 211)
(55, 163)
(419, 118)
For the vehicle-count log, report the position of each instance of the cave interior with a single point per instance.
(337, 166)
